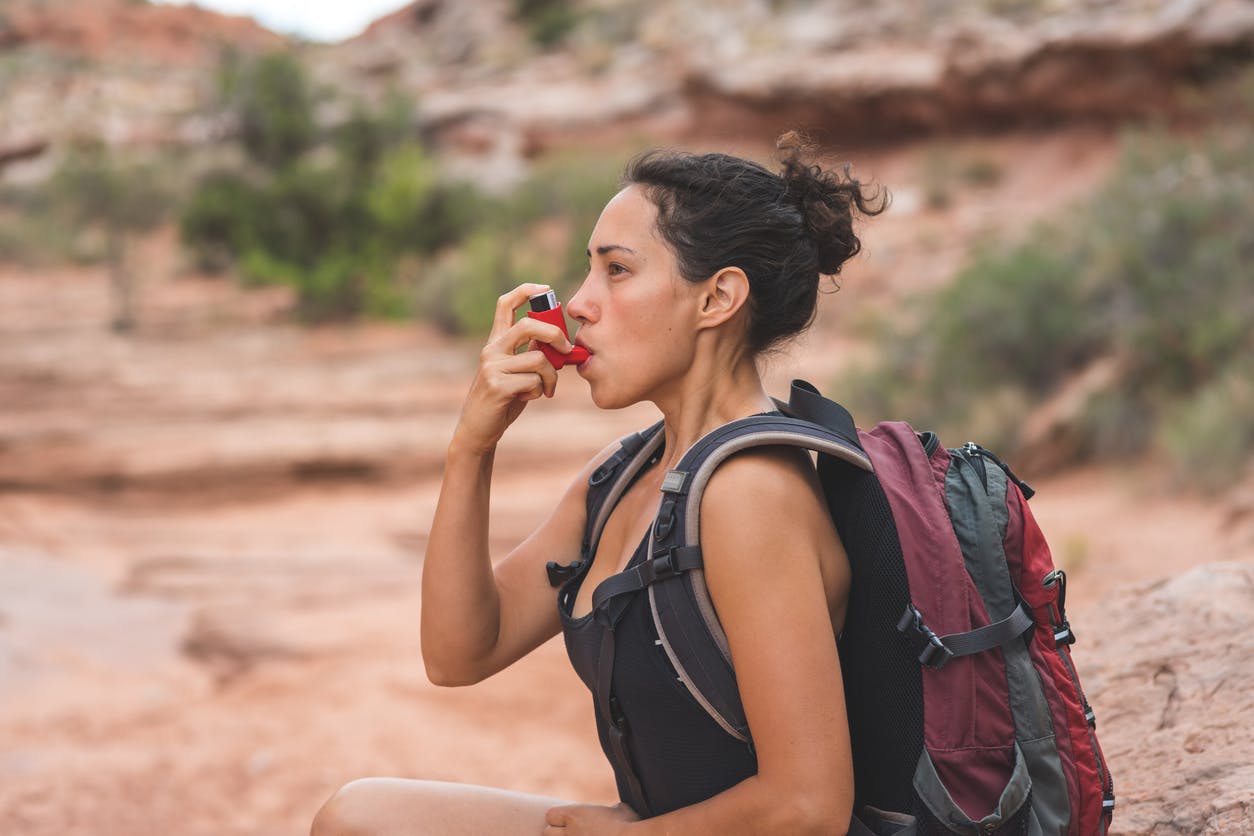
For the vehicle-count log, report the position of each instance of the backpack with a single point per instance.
(965, 710)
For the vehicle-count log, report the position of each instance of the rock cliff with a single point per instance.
(849, 72)
(1168, 663)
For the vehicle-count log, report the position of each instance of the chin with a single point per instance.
(603, 400)
(607, 398)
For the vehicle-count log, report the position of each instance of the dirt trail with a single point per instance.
(211, 537)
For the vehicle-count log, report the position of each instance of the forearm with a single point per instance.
(752, 807)
(460, 601)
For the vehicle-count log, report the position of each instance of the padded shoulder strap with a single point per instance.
(610, 480)
(805, 402)
(688, 480)
(684, 615)
(605, 486)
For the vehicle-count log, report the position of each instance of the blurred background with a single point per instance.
(245, 273)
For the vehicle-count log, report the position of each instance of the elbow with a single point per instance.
(449, 671)
(449, 676)
(445, 668)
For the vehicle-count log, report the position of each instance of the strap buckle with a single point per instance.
(559, 573)
(607, 469)
(660, 567)
(665, 520)
(934, 654)
(932, 651)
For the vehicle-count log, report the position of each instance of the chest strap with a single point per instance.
(668, 564)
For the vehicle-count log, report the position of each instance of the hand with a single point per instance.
(506, 381)
(588, 820)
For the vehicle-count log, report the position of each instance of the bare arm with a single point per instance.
(775, 588)
(476, 618)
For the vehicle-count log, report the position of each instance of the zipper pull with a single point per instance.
(973, 449)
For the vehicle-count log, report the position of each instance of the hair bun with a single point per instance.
(827, 200)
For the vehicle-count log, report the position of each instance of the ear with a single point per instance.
(725, 293)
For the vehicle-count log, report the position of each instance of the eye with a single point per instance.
(616, 269)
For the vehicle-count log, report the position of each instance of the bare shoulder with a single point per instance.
(759, 483)
(765, 506)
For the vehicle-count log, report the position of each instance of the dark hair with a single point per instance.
(783, 230)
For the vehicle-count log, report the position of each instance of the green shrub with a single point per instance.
(335, 225)
(273, 102)
(458, 291)
(1153, 272)
(30, 231)
(222, 219)
(99, 192)
(1209, 437)
(338, 225)
(547, 21)
(414, 208)
(366, 136)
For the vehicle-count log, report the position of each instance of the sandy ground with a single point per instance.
(211, 536)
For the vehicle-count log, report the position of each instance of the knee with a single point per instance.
(352, 811)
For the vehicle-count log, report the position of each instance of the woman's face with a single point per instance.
(636, 313)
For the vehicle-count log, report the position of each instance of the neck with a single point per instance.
(712, 393)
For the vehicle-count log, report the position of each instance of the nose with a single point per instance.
(579, 306)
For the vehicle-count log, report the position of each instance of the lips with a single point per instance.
(587, 353)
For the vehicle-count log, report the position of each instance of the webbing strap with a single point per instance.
(616, 723)
(634, 578)
(935, 651)
(805, 402)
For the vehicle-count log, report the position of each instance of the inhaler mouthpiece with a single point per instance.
(546, 308)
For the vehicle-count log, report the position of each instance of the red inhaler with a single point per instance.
(546, 308)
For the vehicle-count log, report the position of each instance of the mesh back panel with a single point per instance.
(883, 680)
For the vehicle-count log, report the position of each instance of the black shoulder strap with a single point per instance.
(673, 573)
(805, 402)
(611, 479)
(605, 486)
(683, 613)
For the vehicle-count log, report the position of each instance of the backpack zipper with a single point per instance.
(1063, 638)
(973, 449)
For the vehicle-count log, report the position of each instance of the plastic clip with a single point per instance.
(932, 651)
(559, 573)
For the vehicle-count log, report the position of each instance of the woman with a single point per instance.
(696, 268)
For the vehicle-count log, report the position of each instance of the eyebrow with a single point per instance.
(608, 248)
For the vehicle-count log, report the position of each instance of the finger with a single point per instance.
(510, 302)
(525, 383)
(531, 361)
(555, 817)
(522, 333)
(548, 374)
(539, 331)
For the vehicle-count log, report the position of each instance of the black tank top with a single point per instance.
(681, 755)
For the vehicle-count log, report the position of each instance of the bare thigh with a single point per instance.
(401, 807)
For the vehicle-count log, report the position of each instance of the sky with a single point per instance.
(315, 20)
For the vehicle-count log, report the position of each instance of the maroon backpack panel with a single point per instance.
(968, 730)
